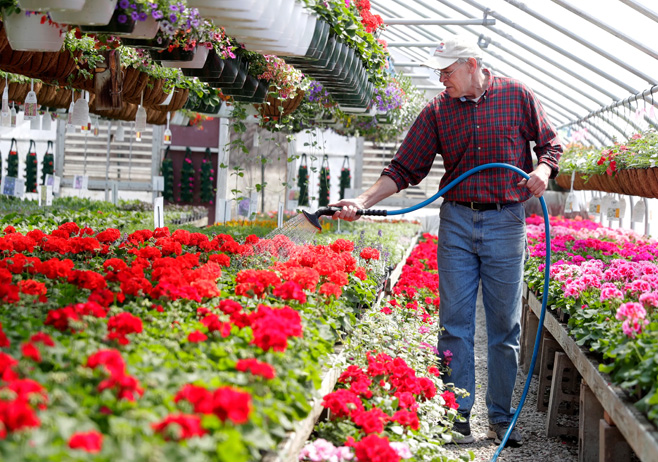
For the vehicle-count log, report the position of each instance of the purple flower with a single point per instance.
(122, 18)
(135, 15)
(142, 16)
(124, 4)
(173, 17)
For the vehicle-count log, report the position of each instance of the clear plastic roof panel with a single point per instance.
(592, 63)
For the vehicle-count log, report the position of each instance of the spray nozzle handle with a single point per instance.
(369, 212)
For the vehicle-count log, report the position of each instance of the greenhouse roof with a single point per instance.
(592, 63)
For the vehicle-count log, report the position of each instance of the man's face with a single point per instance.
(455, 79)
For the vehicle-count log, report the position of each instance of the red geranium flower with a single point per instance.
(180, 427)
(256, 368)
(87, 441)
(121, 325)
(231, 404)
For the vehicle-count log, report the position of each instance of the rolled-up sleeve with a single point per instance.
(548, 146)
(416, 154)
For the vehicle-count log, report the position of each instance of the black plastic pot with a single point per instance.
(114, 27)
(212, 69)
(177, 54)
(146, 44)
(248, 88)
(240, 78)
(229, 73)
(319, 40)
(259, 96)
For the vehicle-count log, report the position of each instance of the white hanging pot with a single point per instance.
(26, 33)
(94, 12)
(231, 11)
(145, 29)
(197, 62)
(51, 5)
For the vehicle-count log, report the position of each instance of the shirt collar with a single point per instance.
(487, 72)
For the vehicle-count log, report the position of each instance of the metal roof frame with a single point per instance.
(591, 65)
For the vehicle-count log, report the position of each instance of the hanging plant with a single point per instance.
(302, 182)
(167, 171)
(48, 163)
(188, 180)
(345, 177)
(323, 194)
(12, 160)
(207, 174)
(31, 166)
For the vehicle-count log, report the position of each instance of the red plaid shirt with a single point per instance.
(498, 128)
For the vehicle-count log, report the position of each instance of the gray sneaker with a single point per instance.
(462, 432)
(497, 432)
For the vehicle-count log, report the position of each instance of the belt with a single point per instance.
(480, 206)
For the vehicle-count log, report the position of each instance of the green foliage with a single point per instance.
(188, 178)
(345, 177)
(302, 182)
(207, 174)
(324, 183)
(167, 171)
(12, 162)
(31, 167)
(48, 163)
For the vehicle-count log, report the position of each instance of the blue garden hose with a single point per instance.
(547, 270)
(314, 220)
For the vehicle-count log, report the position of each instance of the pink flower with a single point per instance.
(633, 315)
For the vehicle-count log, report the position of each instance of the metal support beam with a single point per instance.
(609, 56)
(224, 145)
(617, 104)
(553, 46)
(438, 22)
(641, 9)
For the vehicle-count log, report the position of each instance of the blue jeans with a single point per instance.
(487, 246)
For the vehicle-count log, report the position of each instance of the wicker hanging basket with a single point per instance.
(270, 108)
(155, 117)
(18, 91)
(177, 101)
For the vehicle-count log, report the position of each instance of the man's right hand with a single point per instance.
(350, 206)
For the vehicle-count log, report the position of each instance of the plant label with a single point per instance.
(279, 216)
(158, 212)
(45, 195)
(595, 205)
(571, 205)
(80, 182)
(639, 211)
(616, 209)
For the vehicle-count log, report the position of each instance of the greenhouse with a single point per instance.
(328, 230)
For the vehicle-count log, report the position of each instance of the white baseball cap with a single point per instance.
(450, 50)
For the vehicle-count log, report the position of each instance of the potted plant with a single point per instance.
(51, 5)
(31, 31)
(92, 13)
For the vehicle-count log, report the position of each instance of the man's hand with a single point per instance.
(538, 180)
(350, 206)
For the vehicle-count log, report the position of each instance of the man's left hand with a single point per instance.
(538, 180)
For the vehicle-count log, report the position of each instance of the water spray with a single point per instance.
(314, 219)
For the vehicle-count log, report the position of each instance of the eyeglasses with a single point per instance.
(445, 76)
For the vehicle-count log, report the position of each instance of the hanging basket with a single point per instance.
(61, 66)
(48, 163)
(93, 12)
(155, 117)
(302, 182)
(324, 184)
(114, 26)
(177, 101)
(145, 30)
(63, 6)
(345, 177)
(134, 82)
(270, 108)
(18, 91)
(127, 112)
(27, 33)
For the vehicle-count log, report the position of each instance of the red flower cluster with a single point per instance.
(372, 22)
(226, 403)
(61, 318)
(180, 427)
(17, 413)
(125, 385)
(368, 253)
(87, 441)
(272, 327)
(256, 368)
(373, 448)
(121, 325)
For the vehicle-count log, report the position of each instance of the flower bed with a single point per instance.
(391, 402)
(607, 281)
(157, 344)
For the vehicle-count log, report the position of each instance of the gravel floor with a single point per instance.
(536, 446)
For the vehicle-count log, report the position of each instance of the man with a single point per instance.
(478, 119)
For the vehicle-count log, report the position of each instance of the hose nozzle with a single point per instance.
(314, 218)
